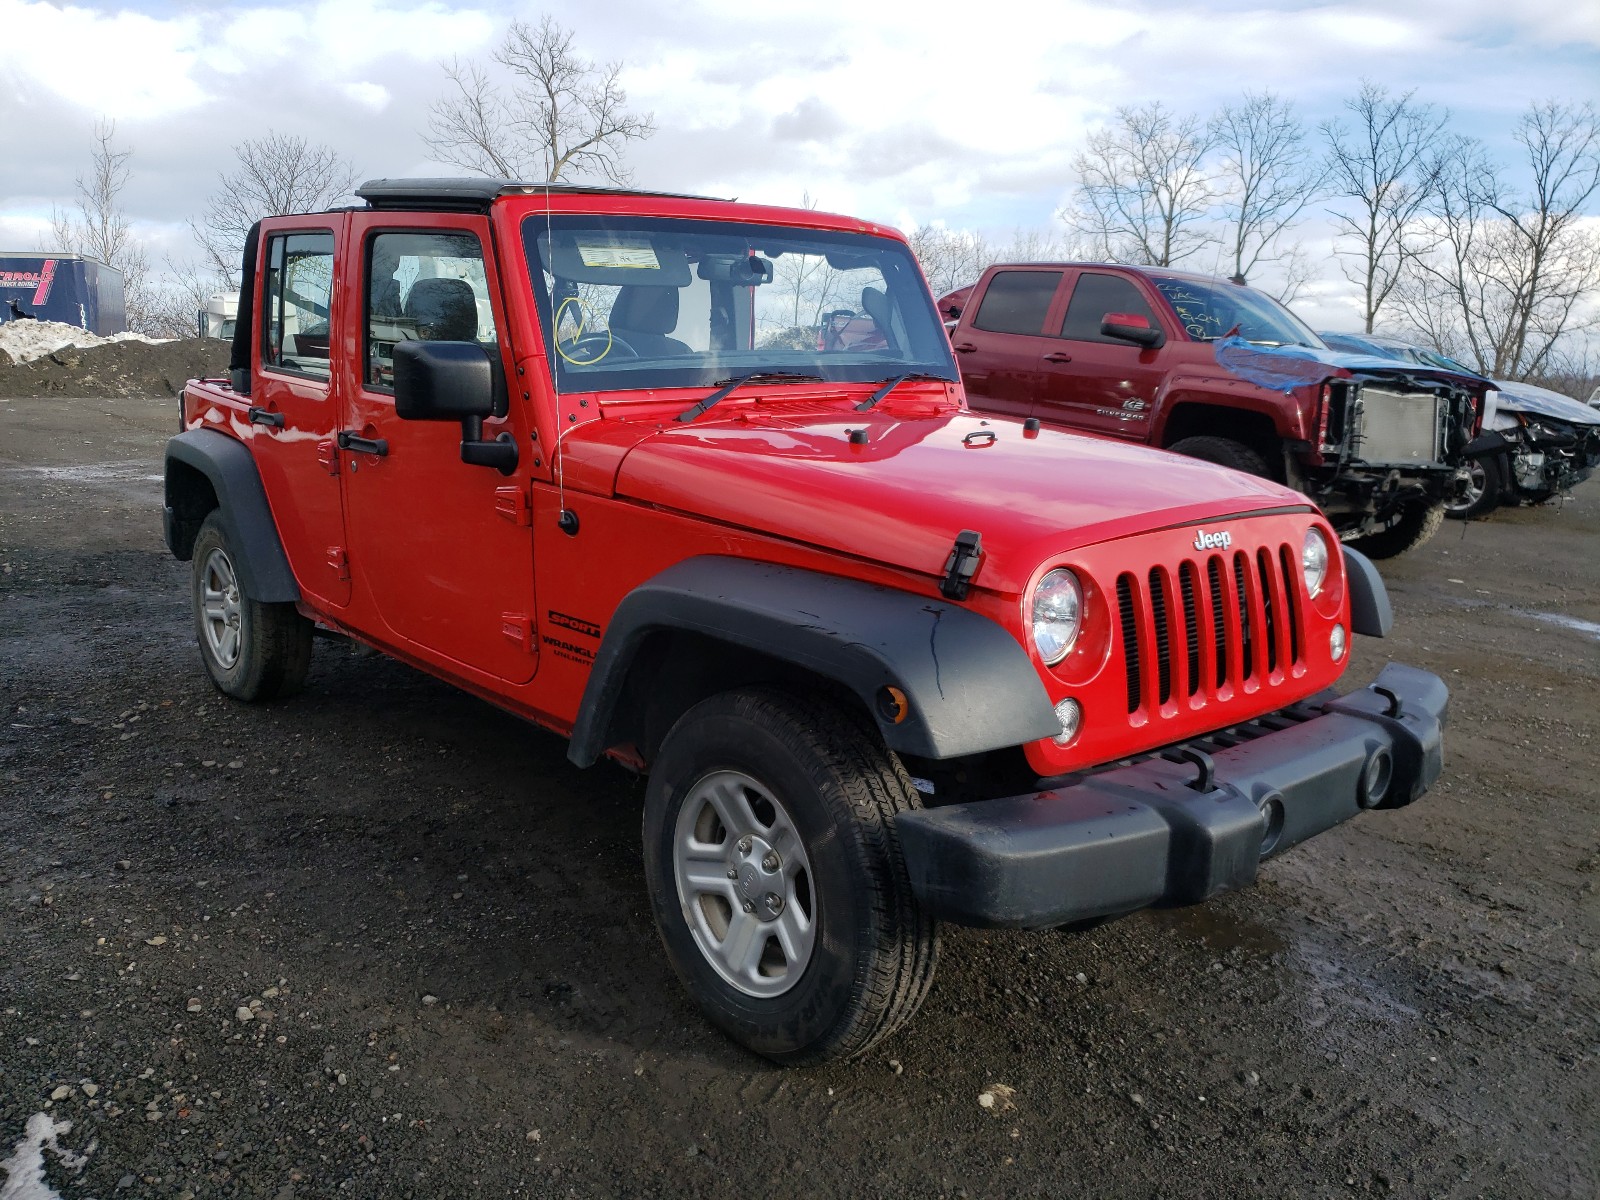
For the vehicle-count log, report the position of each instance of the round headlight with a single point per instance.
(1057, 614)
(1314, 561)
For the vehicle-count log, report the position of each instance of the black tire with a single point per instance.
(1483, 492)
(1225, 452)
(268, 651)
(1413, 525)
(873, 950)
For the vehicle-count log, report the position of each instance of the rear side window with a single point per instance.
(1017, 301)
(1097, 296)
(299, 293)
(423, 286)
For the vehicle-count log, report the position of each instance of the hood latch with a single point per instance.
(962, 564)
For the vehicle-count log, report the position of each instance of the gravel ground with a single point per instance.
(384, 941)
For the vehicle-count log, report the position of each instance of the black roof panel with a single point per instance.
(473, 193)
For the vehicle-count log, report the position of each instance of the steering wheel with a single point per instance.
(601, 345)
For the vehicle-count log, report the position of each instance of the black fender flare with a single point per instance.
(264, 572)
(1370, 611)
(969, 686)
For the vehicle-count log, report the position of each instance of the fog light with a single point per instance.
(1071, 717)
(1375, 778)
(1336, 643)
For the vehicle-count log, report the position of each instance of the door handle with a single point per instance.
(265, 416)
(1058, 357)
(965, 348)
(348, 440)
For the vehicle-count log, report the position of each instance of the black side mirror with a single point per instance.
(1132, 327)
(453, 381)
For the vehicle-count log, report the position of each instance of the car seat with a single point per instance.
(445, 310)
(643, 316)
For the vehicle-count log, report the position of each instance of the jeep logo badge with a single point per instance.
(1212, 541)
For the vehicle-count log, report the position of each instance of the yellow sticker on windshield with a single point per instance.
(628, 257)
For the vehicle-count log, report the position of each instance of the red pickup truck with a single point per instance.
(886, 662)
(1220, 371)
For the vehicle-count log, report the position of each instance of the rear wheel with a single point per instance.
(1411, 526)
(252, 651)
(776, 876)
(1225, 452)
(1482, 493)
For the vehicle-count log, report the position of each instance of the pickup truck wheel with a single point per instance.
(776, 877)
(1225, 452)
(252, 651)
(1414, 524)
(1482, 493)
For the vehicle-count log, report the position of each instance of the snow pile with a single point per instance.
(24, 1170)
(25, 341)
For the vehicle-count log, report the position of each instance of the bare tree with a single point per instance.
(178, 297)
(560, 114)
(1510, 271)
(1387, 170)
(1267, 176)
(950, 258)
(1144, 191)
(277, 175)
(99, 228)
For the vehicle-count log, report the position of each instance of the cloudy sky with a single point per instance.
(909, 113)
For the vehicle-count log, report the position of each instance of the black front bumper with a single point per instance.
(1179, 828)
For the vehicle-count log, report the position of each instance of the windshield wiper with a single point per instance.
(895, 381)
(738, 381)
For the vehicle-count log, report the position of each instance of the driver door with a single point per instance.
(441, 551)
(1095, 382)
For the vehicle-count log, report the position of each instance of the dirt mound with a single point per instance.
(129, 368)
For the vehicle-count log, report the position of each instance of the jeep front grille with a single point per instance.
(1207, 627)
(1400, 428)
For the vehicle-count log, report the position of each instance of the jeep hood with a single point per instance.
(901, 495)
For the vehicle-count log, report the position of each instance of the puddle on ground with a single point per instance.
(1219, 930)
(1588, 628)
(88, 472)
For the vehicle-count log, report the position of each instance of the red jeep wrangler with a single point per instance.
(886, 662)
(1220, 371)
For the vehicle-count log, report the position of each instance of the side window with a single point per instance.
(299, 291)
(1017, 301)
(423, 286)
(1093, 298)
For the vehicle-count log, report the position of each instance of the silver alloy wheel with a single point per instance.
(744, 883)
(1477, 480)
(220, 611)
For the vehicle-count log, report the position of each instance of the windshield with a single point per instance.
(642, 302)
(1209, 311)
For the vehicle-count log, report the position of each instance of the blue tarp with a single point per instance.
(1284, 368)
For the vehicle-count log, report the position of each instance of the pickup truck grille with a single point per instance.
(1401, 428)
(1209, 627)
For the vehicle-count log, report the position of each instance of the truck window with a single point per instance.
(1017, 301)
(299, 290)
(1093, 297)
(631, 303)
(423, 286)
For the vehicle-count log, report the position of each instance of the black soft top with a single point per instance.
(475, 195)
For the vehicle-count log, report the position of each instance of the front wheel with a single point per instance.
(251, 650)
(1409, 528)
(1225, 452)
(1482, 493)
(776, 876)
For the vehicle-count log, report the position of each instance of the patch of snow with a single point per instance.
(24, 1170)
(25, 341)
